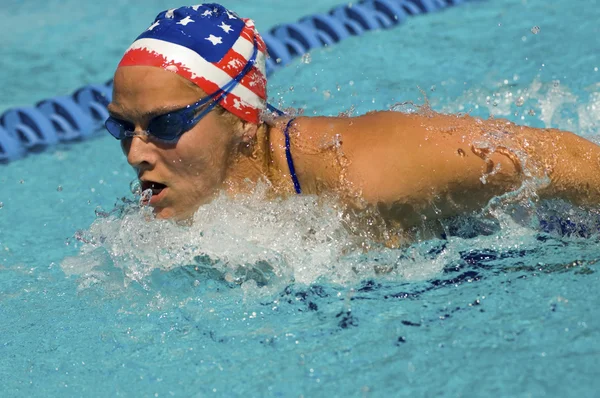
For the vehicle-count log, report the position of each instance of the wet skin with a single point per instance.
(406, 165)
(193, 168)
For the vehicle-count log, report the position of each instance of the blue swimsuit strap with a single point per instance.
(288, 152)
(288, 156)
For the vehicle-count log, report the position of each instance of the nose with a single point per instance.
(140, 153)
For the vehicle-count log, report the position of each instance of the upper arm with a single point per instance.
(421, 165)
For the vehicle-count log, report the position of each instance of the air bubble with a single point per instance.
(306, 58)
(520, 101)
(59, 188)
(535, 30)
(1, 205)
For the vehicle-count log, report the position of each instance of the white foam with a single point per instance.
(254, 241)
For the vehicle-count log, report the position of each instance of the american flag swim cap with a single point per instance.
(208, 45)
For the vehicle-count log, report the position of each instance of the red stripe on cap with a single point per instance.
(142, 56)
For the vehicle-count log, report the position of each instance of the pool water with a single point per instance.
(276, 297)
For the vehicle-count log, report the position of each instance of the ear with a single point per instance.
(246, 133)
(249, 131)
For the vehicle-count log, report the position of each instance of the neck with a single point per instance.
(253, 163)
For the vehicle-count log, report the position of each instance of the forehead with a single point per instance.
(141, 89)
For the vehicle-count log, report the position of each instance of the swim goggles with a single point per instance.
(170, 126)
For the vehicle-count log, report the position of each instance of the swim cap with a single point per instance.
(210, 46)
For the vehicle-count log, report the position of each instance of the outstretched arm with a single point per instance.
(415, 165)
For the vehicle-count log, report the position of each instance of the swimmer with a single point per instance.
(189, 108)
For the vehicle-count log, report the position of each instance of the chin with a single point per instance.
(164, 213)
(167, 213)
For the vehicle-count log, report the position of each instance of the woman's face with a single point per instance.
(185, 173)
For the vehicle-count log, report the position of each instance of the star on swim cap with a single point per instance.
(210, 46)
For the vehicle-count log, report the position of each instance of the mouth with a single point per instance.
(157, 189)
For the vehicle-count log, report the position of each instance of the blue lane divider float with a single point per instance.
(79, 116)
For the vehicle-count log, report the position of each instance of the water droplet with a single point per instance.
(535, 30)
(135, 187)
(59, 188)
(531, 112)
(326, 94)
(306, 58)
(520, 101)
(145, 197)
(352, 81)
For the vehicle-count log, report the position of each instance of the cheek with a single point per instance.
(207, 146)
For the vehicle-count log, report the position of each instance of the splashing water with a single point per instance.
(296, 239)
(553, 104)
(258, 242)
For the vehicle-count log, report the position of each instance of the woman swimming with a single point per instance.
(189, 107)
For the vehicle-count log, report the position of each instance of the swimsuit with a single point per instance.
(288, 156)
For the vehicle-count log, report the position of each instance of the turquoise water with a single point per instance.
(267, 298)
